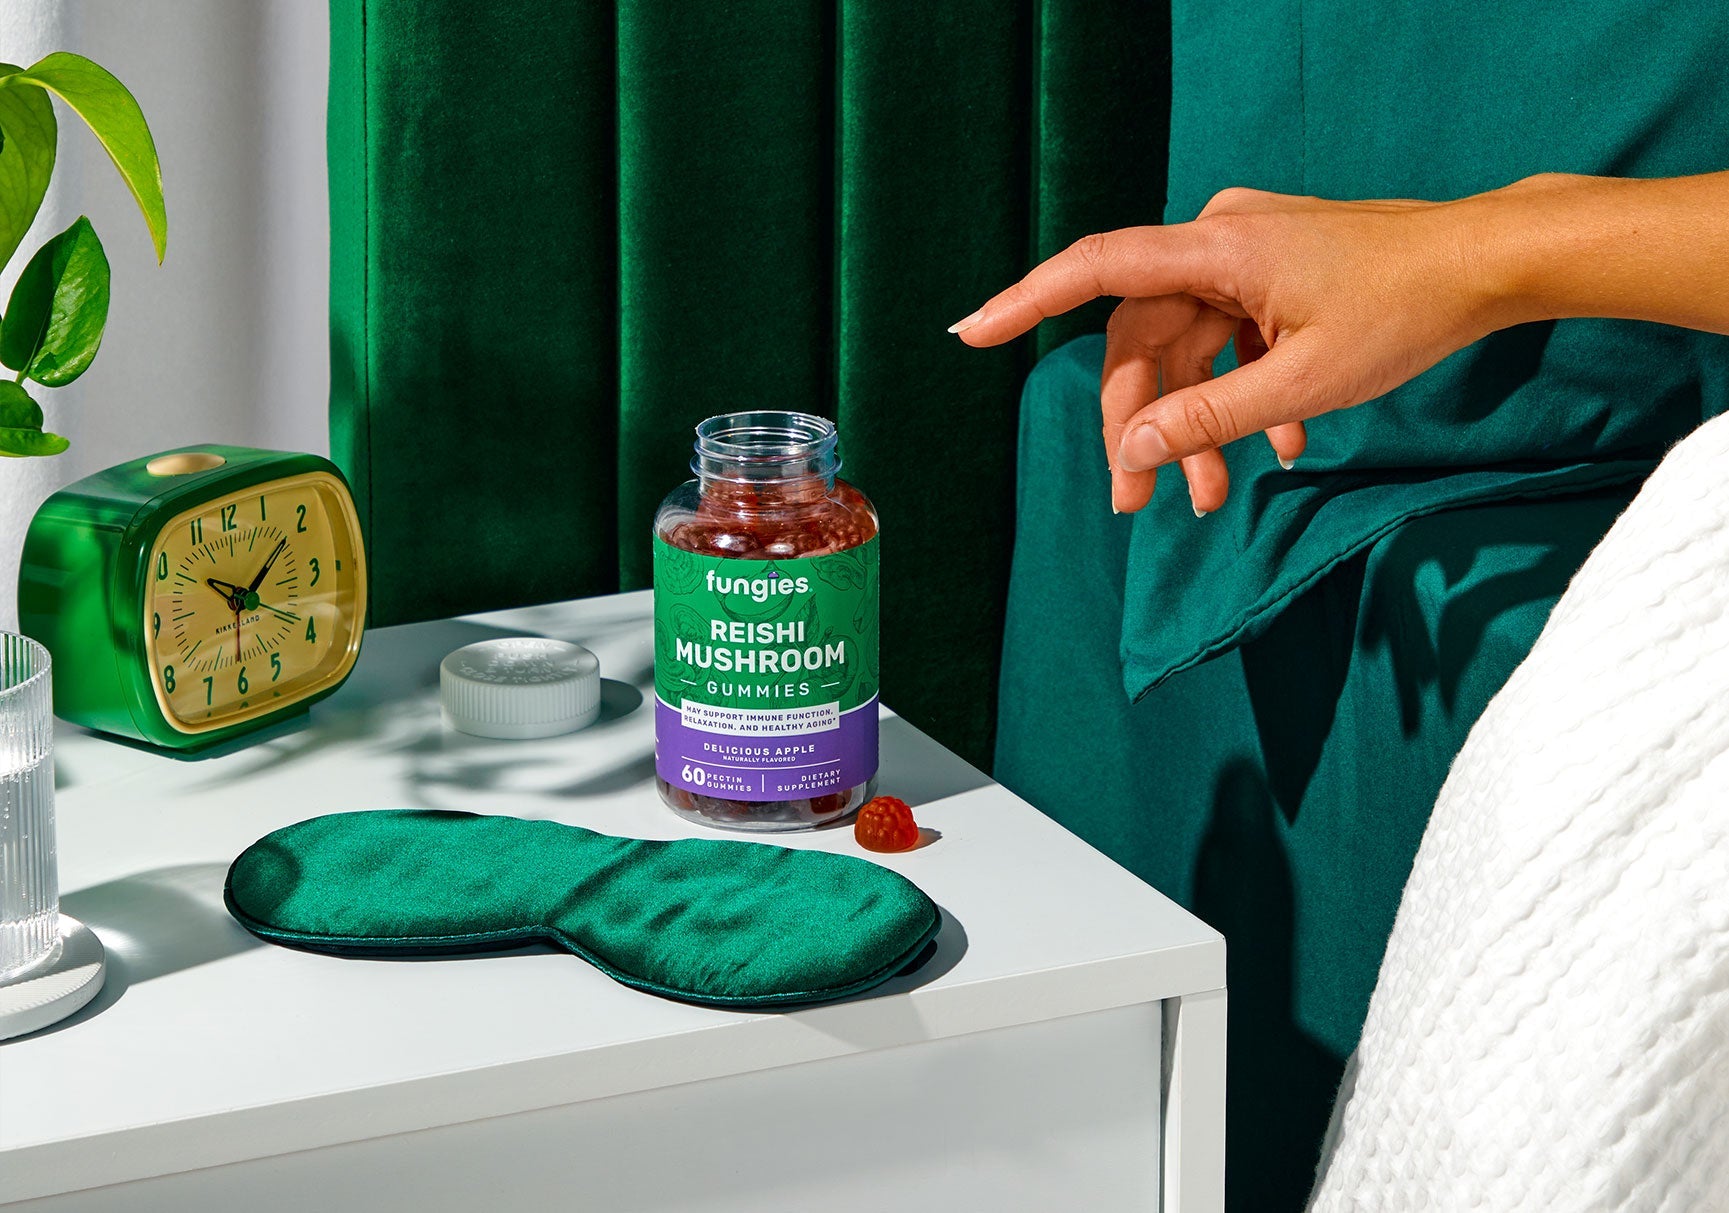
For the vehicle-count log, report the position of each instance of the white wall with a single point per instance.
(227, 341)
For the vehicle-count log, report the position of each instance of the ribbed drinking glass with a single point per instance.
(29, 880)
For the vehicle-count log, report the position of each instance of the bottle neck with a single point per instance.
(766, 459)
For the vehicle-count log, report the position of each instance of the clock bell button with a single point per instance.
(524, 686)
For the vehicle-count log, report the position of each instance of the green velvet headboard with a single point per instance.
(563, 231)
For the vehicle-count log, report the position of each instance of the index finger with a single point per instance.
(1130, 262)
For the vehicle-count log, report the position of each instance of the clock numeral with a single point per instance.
(196, 526)
(162, 566)
(155, 623)
(240, 683)
(314, 563)
(228, 517)
(168, 678)
(301, 524)
(311, 630)
(275, 666)
(209, 690)
(262, 517)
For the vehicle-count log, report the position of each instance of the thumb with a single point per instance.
(1273, 389)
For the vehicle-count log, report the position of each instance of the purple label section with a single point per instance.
(794, 766)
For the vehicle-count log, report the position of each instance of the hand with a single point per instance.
(1335, 303)
(268, 561)
(1330, 304)
(240, 599)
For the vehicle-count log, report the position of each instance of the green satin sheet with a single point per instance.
(565, 231)
(1370, 99)
(722, 923)
(1280, 789)
(1307, 660)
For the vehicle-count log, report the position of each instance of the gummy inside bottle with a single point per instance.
(772, 519)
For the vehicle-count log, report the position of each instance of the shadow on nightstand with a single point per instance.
(935, 962)
(154, 923)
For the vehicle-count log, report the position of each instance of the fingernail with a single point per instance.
(961, 326)
(1287, 464)
(1142, 448)
(1195, 505)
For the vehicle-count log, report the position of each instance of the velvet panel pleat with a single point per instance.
(563, 233)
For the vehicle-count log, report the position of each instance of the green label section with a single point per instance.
(766, 633)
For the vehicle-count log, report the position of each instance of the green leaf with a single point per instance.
(17, 409)
(27, 138)
(21, 424)
(30, 442)
(114, 117)
(54, 320)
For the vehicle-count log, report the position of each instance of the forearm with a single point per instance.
(1557, 246)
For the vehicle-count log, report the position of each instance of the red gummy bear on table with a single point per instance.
(886, 824)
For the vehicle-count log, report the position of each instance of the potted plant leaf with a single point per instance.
(52, 323)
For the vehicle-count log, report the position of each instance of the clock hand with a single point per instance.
(236, 597)
(232, 594)
(268, 561)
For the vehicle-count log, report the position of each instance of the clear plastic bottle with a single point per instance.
(766, 592)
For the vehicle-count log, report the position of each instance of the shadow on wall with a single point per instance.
(1243, 888)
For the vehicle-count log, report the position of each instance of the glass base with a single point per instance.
(48, 993)
(39, 963)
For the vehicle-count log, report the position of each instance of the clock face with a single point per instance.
(253, 601)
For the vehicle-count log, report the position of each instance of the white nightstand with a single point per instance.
(1064, 1049)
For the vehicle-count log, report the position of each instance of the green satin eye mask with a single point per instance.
(711, 921)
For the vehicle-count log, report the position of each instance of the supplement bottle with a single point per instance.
(765, 629)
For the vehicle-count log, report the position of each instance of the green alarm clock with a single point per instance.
(195, 595)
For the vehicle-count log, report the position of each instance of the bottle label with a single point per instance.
(765, 672)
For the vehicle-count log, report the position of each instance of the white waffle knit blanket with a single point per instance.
(1551, 1026)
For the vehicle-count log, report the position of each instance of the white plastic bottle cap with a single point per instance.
(523, 686)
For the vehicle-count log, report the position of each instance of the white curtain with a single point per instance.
(227, 340)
